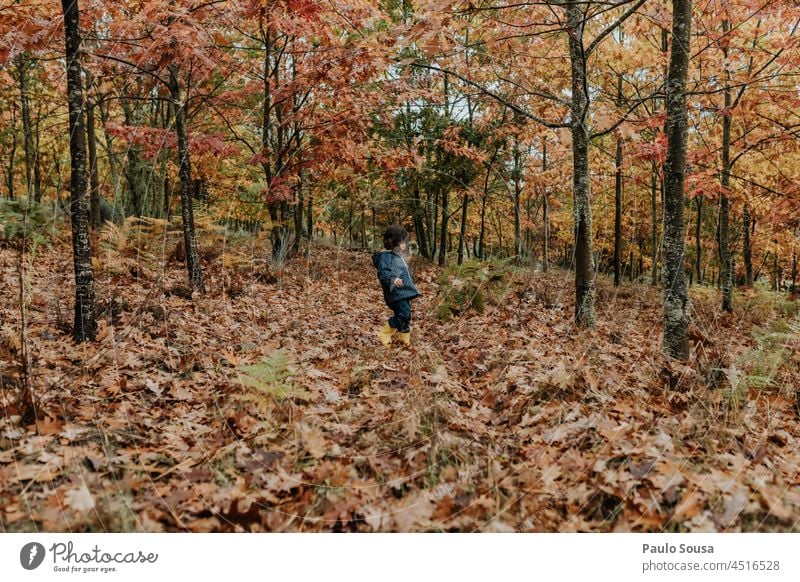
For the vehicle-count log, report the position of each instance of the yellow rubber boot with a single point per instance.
(405, 338)
(385, 334)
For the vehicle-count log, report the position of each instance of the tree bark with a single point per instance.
(654, 229)
(23, 64)
(12, 154)
(517, 197)
(463, 233)
(445, 220)
(545, 215)
(94, 180)
(697, 242)
(618, 195)
(676, 300)
(85, 327)
(419, 220)
(747, 249)
(726, 258)
(37, 162)
(618, 216)
(584, 267)
(185, 178)
(310, 217)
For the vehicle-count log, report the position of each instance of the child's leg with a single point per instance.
(401, 321)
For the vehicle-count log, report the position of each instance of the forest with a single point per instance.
(603, 201)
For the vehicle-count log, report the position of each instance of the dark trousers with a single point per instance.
(401, 320)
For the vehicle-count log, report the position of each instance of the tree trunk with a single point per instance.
(23, 64)
(463, 233)
(776, 272)
(185, 177)
(517, 173)
(85, 327)
(794, 272)
(618, 216)
(747, 249)
(135, 172)
(111, 156)
(676, 300)
(726, 258)
(584, 268)
(310, 217)
(12, 154)
(445, 220)
(37, 162)
(545, 215)
(94, 181)
(654, 229)
(419, 220)
(618, 195)
(697, 242)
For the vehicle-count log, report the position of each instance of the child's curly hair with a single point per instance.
(393, 236)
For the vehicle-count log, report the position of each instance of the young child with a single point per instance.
(397, 284)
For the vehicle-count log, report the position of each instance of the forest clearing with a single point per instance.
(583, 218)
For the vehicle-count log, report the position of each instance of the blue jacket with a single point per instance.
(390, 265)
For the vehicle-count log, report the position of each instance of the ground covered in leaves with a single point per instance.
(268, 405)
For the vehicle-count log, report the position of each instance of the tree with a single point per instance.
(676, 299)
(85, 326)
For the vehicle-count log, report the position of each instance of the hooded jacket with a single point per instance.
(390, 266)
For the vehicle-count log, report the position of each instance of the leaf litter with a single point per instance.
(278, 410)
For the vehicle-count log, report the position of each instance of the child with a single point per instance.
(397, 284)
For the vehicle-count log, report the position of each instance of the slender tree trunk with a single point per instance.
(676, 300)
(481, 254)
(94, 181)
(463, 233)
(726, 273)
(419, 220)
(618, 195)
(584, 267)
(185, 177)
(445, 220)
(85, 326)
(747, 249)
(794, 272)
(135, 172)
(310, 217)
(111, 155)
(654, 229)
(545, 214)
(697, 242)
(776, 272)
(517, 173)
(12, 153)
(23, 63)
(618, 215)
(37, 162)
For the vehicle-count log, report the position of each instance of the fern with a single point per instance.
(22, 219)
(272, 379)
(766, 360)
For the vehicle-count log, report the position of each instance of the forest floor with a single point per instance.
(270, 406)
